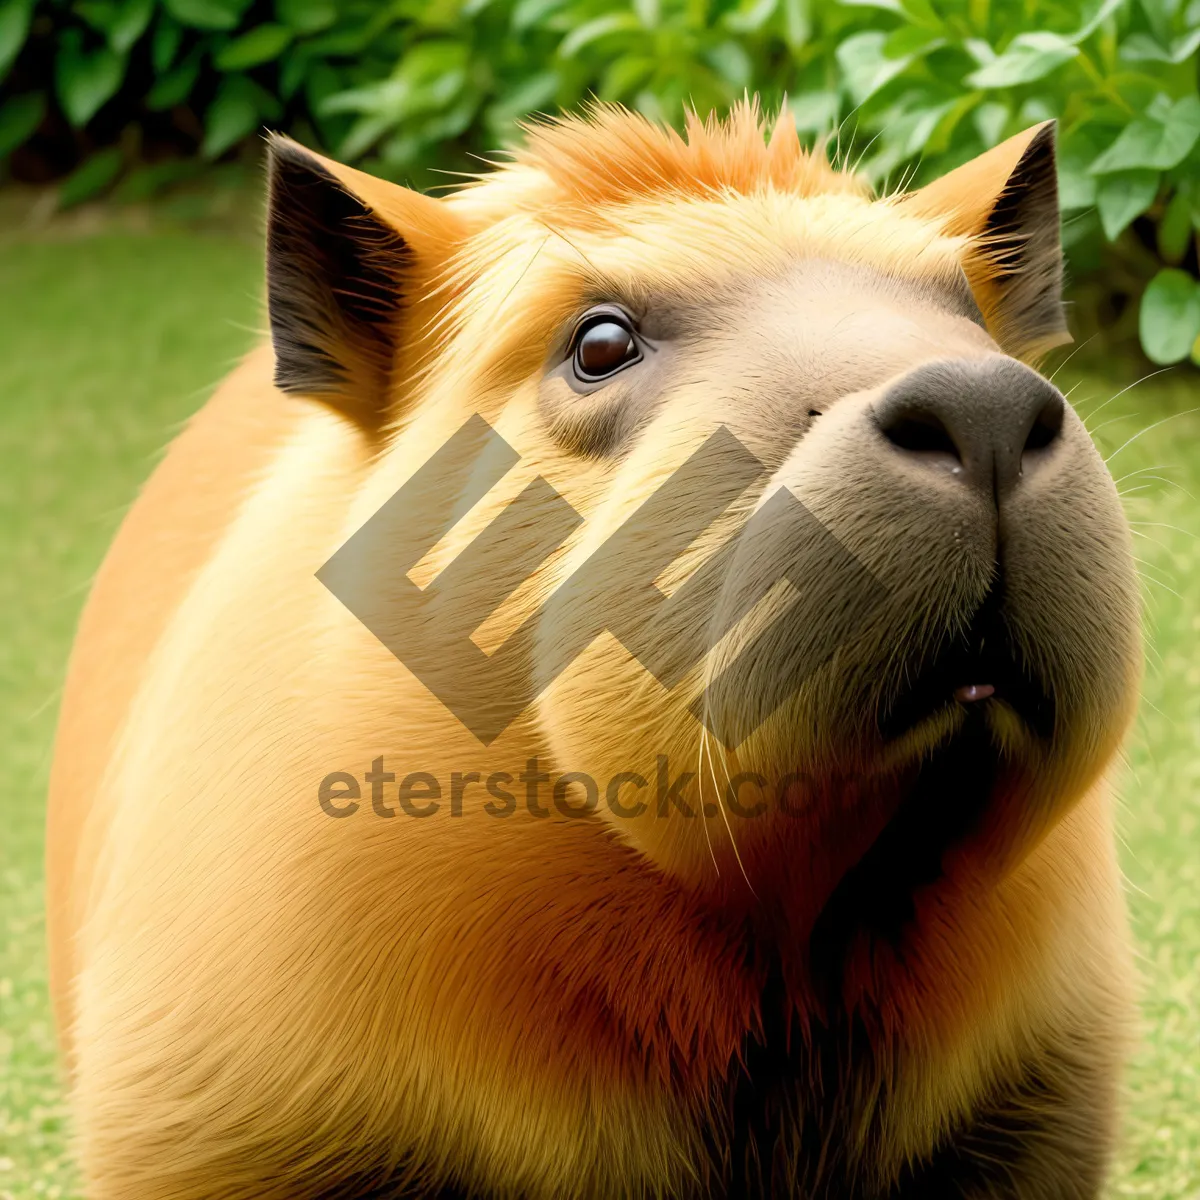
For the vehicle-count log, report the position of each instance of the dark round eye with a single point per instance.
(603, 345)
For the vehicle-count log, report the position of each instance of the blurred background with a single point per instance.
(130, 281)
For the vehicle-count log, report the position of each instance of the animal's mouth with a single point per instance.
(980, 666)
(944, 795)
(942, 802)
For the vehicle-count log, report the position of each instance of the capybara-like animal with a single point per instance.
(616, 700)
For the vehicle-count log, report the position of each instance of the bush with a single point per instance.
(94, 89)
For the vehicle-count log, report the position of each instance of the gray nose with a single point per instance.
(986, 420)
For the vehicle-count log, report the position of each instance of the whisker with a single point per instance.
(724, 815)
(1171, 483)
(1166, 587)
(1093, 430)
(1186, 413)
(1070, 356)
(700, 782)
(1151, 375)
(1164, 525)
(1141, 471)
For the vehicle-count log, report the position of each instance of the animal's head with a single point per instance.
(893, 593)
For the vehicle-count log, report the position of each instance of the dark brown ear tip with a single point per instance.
(335, 274)
(1036, 172)
(289, 162)
(1044, 141)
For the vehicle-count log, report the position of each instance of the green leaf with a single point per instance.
(910, 41)
(14, 28)
(893, 6)
(1159, 13)
(293, 70)
(1169, 317)
(176, 85)
(99, 14)
(990, 120)
(731, 63)
(942, 133)
(207, 14)
(1103, 10)
(625, 76)
(1076, 189)
(1035, 110)
(1184, 46)
(924, 122)
(306, 16)
(750, 16)
(121, 23)
(384, 96)
(531, 95)
(797, 23)
(91, 178)
(364, 133)
(1141, 47)
(1175, 228)
(85, 81)
(649, 13)
(1082, 229)
(130, 24)
(529, 13)
(980, 51)
(19, 118)
(446, 126)
(597, 28)
(237, 110)
(164, 45)
(866, 66)
(1121, 198)
(344, 41)
(814, 112)
(261, 44)
(1158, 139)
(427, 62)
(321, 82)
(1191, 189)
(1028, 57)
(430, 77)
(921, 12)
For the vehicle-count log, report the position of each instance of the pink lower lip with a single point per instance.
(973, 692)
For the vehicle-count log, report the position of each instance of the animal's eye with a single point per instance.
(604, 343)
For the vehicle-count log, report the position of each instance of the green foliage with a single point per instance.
(1170, 316)
(908, 87)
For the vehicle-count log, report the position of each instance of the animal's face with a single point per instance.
(902, 591)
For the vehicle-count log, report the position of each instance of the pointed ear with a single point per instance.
(348, 257)
(1006, 202)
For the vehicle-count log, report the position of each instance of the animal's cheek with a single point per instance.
(593, 423)
(606, 719)
(1072, 586)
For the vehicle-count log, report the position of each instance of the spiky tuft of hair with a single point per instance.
(609, 155)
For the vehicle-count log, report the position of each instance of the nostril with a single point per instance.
(920, 433)
(1047, 425)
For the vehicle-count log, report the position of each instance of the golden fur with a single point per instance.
(258, 1001)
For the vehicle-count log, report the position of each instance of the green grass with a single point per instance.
(108, 340)
(106, 344)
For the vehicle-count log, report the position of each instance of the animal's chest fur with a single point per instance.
(800, 1116)
(805, 1115)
